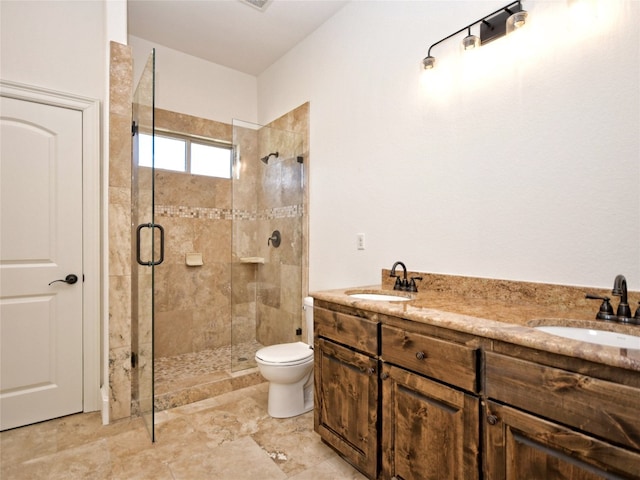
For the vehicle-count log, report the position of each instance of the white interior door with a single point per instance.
(41, 342)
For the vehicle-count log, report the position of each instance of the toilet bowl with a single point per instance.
(289, 369)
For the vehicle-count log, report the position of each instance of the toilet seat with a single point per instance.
(285, 354)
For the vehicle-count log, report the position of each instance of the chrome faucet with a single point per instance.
(400, 284)
(620, 290)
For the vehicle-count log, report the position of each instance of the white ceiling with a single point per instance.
(229, 32)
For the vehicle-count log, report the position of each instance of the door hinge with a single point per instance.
(134, 359)
(134, 129)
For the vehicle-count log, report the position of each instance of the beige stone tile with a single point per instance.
(121, 79)
(90, 460)
(344, 469)
(191, 394)
(21, 444)
(257, 392)
(227, 437)
(119, 311)
(120, 383)
(119, 235)
(292, 444)
(238, 459)
(133, 456)
(120, 150)
(332, 469)
(230, 421)
(76, 430)
(173, 333)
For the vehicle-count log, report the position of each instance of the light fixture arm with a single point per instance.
(482, 20)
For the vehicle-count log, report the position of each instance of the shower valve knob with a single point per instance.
(274, 239)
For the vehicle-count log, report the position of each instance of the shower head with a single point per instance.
(265, 160)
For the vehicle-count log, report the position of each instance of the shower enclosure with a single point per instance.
(195, 329)
(267, 240)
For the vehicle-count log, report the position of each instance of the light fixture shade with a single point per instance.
(516, 20)
(428, 62)
(470, 42)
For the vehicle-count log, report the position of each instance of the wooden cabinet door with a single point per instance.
(346, 403)
(429, 431)
(521, 446)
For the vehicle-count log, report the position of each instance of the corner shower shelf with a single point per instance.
(252, 260)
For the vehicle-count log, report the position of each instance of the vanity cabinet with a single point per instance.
(542, 421)
(347, 386)
(408, 400)
(429, 428)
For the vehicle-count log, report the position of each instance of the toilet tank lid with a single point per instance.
(285, 352)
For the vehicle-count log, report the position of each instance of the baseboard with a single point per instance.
(104, 393)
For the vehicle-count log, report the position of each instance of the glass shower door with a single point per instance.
(147, 245)
(267, 240)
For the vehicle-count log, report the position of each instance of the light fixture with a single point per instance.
(470, 41)
(428, 62)
(517, 20)
(492, 27)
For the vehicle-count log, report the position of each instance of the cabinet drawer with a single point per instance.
(608, 410)
(449, 362)
(356, 332)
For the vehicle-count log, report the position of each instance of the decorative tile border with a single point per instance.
(180, 211)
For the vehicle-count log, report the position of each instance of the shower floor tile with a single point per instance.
(191, 377)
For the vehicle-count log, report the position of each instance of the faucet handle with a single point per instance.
(637, 315)
(398, 285)
(606, 310)
(412, 285)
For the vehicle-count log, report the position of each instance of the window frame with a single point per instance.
(189, 139)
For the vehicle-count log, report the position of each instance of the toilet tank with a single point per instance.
(308, 316)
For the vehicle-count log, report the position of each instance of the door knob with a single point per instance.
(70, 279)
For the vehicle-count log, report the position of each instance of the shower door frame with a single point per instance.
(145, 252)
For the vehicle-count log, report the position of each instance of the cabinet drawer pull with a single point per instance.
(384, 375)
(492, 419)
(420, 355)
(371, 371)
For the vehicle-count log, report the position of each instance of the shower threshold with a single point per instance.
(191, 377)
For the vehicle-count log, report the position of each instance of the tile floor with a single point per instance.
(190, 377)
(228, 437)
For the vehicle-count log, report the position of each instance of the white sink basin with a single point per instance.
(600, 337)
(379, 297)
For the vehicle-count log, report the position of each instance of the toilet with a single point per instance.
(289, 369)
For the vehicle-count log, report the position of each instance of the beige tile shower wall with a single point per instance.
(120, 97)
(281, 207)
(193, 304)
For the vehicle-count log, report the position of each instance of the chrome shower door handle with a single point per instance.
(138, 254)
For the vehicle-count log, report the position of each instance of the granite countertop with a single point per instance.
(508, 321)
